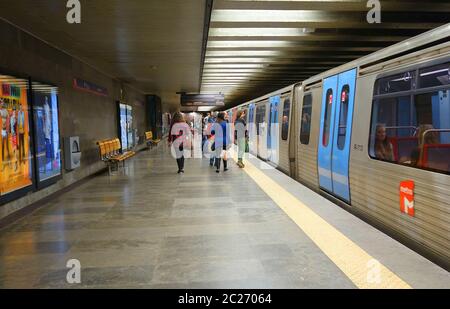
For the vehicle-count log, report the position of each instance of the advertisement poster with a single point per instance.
(15, 158)
(126, 126)
(123, 126)
(130, 132)
(48, 150)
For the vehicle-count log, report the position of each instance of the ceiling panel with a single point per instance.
(257, 46)
(155, 45)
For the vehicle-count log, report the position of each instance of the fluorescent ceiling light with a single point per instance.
(227, 74)
(222, 89)
(218, 83)
(232, 71)
(249, 43)
(259, 31)
(205, 108)
(268, 16)
(237, 66)
(215, 87)
(242, 53)
(225, 78)
(232, 60)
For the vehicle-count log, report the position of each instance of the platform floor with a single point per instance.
(149, 227)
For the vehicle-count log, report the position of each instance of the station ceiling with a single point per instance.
(253, 46)
(154, 45)
(258, 46)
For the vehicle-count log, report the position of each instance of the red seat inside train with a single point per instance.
(403, 147)
(436, 156)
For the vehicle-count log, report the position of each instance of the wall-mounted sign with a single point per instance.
(407, 197)
(89, 87)
(202, 100)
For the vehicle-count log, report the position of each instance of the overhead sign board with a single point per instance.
(89, 87)
(202, 100)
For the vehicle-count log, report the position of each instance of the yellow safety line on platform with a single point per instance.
(361, 268)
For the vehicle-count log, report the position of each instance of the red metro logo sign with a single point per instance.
(407, 197)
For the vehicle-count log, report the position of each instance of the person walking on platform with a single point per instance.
(178, 132)
(240, 135)
(210, 139)
(222, 142)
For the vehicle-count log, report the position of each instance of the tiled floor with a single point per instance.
(149, 227)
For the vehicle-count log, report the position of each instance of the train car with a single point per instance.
(372, 135)
(268, 119)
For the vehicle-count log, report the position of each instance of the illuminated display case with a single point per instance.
(16, 155)
(46, 133)
(126, 126)
(30, 151)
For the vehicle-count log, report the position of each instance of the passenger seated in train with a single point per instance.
(285, 123)
(306, 128)
(383, 147)
(430, 138)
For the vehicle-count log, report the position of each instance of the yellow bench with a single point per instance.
(149, 139)
(110, 152)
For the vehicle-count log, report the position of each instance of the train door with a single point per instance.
(273, 130)
(261, 130)
(252, 130)
(335, 133)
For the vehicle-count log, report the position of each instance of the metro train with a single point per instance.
(373, 136)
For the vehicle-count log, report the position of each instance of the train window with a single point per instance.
(305, 128)
(435, 76)
(285, 123)
(342, 131)
(260, 116)
(327, 118)
(250, 114)
(396, 83)
(413, 129)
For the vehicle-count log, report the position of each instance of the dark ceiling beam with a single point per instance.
(249, 78)
(313, 37)
(275, 62)
(272, 75)
(299, 48)
(206, 26)
(322, 16)
(286, 57)
(331, 25)
(349, 6)
(297, 54)
(286, 44)
(306, 67)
